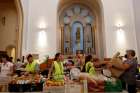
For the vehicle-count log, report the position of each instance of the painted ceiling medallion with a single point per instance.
(84, 12)
(69, 12)
(77, 9)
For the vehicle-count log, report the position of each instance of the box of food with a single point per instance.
(4, 80)
(116, 63)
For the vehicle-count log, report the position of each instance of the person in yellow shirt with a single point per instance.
(57, 69)
(89, 67)
(32, 66)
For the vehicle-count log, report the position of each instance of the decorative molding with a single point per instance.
(19, 28)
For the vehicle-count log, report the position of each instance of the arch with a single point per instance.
(16, 15)
(11, 51)
(96, 8)
(80, 36)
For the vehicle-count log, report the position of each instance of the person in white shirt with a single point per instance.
(6, 66)
(18, 64)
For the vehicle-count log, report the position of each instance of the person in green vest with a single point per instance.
(89, 67)
(57, 69)
(32, 66)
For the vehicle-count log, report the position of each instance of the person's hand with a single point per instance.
(96, 63)
(9, 74)
(106, 62)
(48, 78)
(26, 73)
(109, 65)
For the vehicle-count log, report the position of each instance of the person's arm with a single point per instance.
(124, 66)
(37, 69)
(14, 68)
(101, 63)
(11, 70)
(50, 71)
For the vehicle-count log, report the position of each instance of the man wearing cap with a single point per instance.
(130, 68)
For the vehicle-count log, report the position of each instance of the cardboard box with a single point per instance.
(116, 62)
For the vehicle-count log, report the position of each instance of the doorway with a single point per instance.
(11, 51)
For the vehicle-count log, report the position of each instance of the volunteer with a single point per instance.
(57, 69)
(32, 66)
(6, 66)
(89, 67)
(130, 68)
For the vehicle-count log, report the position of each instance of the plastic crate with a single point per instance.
(38, 87)
(54, 89)
(73, 88)
(19, 87)
(4, 80)
(92, 88)
(68, 88)
(113, 87)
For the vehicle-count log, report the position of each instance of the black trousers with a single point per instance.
(131, 88)
(123, 84)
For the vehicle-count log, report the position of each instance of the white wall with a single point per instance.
(136, 5)
(8, 31)
(119, 12)
(45, 11)
(40, 12)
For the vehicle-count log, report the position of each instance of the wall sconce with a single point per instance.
(120, 37)
(42, 37)
(42, 26)
(119, 27)
(3, 20)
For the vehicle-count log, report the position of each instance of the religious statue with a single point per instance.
(78, 39)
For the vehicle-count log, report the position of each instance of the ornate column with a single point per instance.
(93, 41)
(62, 39)
(18, 42)
(84, 47)
(70, 41)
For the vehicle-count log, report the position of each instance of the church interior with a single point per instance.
(70, 46)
